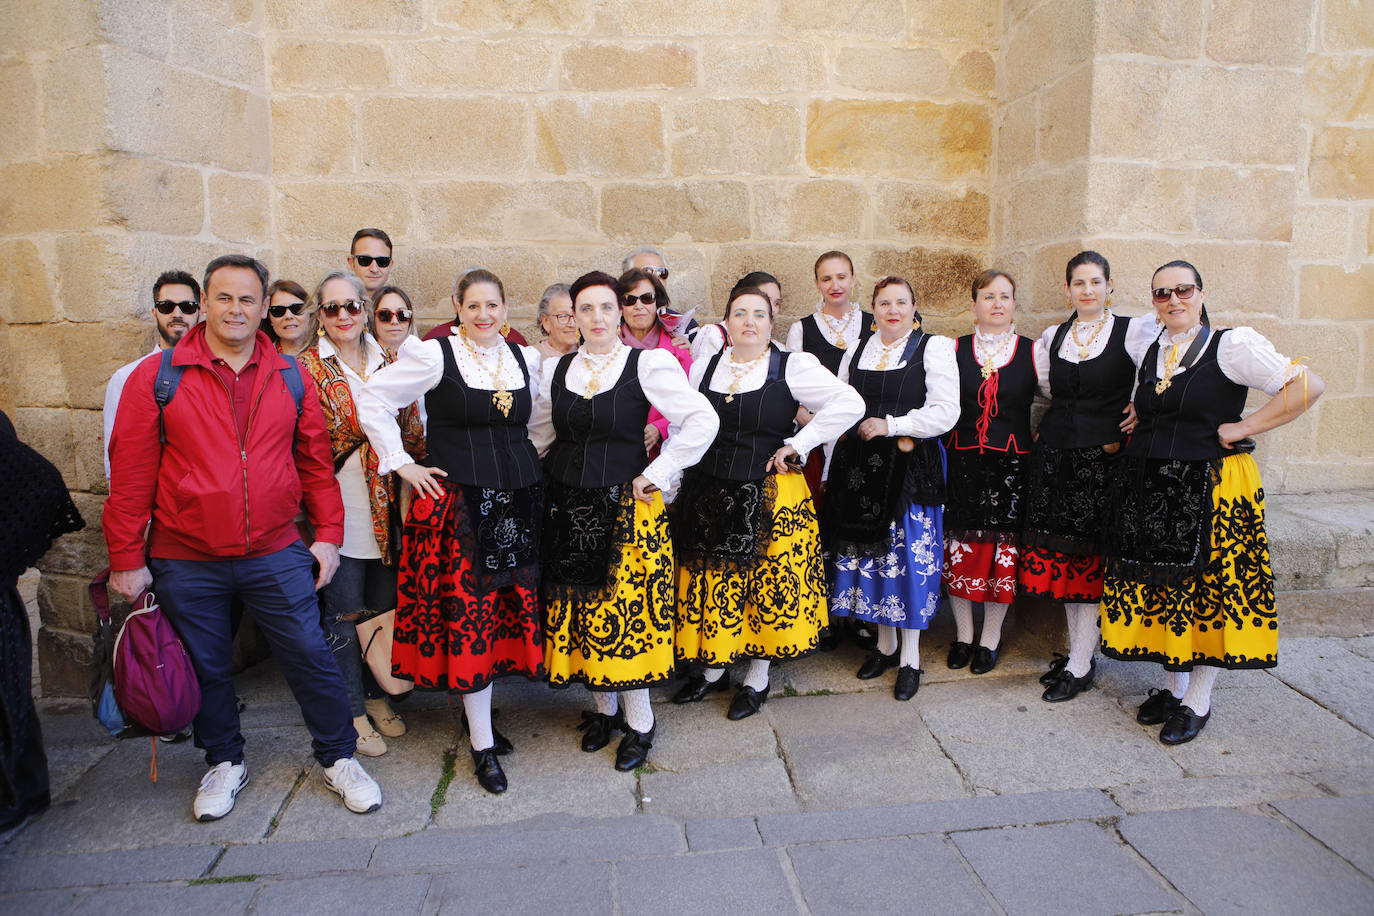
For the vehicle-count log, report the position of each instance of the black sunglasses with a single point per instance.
(167, 306)
(648, 298)
(661, 271)
(1184, 292)
(332, 308)
(384, 316)
(279, 311)
(366, 260)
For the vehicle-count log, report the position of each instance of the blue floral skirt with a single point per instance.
(899, 588)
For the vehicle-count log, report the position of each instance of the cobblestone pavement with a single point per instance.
(974, 797)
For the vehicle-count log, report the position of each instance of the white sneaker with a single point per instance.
(360, 792)
(215, 798)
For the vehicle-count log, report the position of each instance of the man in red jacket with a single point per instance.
(222, 483)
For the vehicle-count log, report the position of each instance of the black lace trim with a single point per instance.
(723, 524)
(505, 526)
(1170, 663)
(585, 530)
(1160, 523)
(871, 484)
(1067, 499)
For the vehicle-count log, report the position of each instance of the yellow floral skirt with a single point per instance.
(618, 637)
(1225, 617)
(772, 608)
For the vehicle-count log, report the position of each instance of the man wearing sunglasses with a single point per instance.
(176, 306)
(370, 258)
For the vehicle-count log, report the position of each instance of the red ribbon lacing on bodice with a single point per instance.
(987, 402)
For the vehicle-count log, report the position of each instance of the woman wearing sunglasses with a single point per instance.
(365, 584)
(883, 528)
(642, 295)
(607, 555)
(290, 323)
(469, 591)
(1084, 365)
(1188, 583)
(393, 318)
(557, 321)
(986, 452)
(750, 582)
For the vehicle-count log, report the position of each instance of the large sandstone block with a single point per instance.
(581, 136)
(1163, 28)
(1348, 25)
(236, 12)
(330, 211)
(1066, 117)
(940, 277)
(524, 271)
(602, 66)
(1127, 197)
(736, 137)
(1342, 163)
(863, 18)
(95, 282)
(975, 71)
(1038, 49)
(1245, 203)
(1343, 425)
(699, 211)
(239, 208)
(67, 364)
(26, 284)
(309, 64)
(144, 26)
(907, 139)
(512, 65)
(791, 67)
(19, 119)
(73, 88)
(556, 17)
(810, 209)
(1333, 292)
(148, 195)
(1258, 32)
(792, 264)
(466, 136)
(1018, 138)
(1243, 278)
(48, 431)
(66, 193)
(959, 22)
(1333, 356)
(58, 24)
(345, 15)
(1321, 231)
(312, 135)
(660, 18)
(931, 212)
(64, 661)
(1034, 208)
(1339, 87)
(207, 44)
(908, 71)
(496, 212)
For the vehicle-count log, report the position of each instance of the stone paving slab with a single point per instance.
(1008, 741)
(1330, 674)
(709, 834)
(67, 765)
(616, 838)
(1345, 825)
(130, 866)
(1344, 781)
(116, 806)
(1211, 791)
(407, 774)
(356, 893)
(569, 889)
(295, 858)
(902, 875)
(859, 750)
(936, 817)
(1062, 868)
(207, 899)
(741, 881)
(1228, 861)
(1363, 645)
(41, 903)
(698, 735)
(727, 789)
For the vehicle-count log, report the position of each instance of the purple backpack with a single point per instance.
(154, 680)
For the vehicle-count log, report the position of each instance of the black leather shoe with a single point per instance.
(1067, 686)
(1182, 725)
(864, 637)
(984, 660)
(697, 687)
(596, 729)
(876, 664)
(1056, 666)
(829, 640)
(908, 682)
(1157, 707)
(747, 702)
(959, 654)
(487, 769)
(634, 748)
(500, 743)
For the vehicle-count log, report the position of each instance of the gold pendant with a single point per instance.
(1082, 352)
(730, 399)
(503, 400)
(988, 372)
(593, 386)
(841, 344)
(1162, 385)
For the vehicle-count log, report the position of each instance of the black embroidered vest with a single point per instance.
(1182, 422)
(994, 413)
(753, 424)
(600, 440)
(1087, 397)
(814, 342)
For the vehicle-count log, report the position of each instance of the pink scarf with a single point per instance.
(650, 341)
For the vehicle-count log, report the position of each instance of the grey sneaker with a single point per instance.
(218, 787)
(359, 791)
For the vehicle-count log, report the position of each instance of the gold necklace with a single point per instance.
(887, 351)
(1083, 347)
(739, 370)
(594, 371)
(990, 359)
(838, 331)
(501, 399)
(1170, 367)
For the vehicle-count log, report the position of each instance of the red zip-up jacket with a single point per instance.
(208, 495)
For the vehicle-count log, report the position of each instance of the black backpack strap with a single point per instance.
(164, 387)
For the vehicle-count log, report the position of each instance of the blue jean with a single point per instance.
(279, 591)
(358, 585)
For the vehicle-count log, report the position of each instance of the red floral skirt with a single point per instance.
(981, 570)
(457, 627)
(1047, 573)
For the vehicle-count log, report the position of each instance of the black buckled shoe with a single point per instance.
(747, 702)
(634, 748)
(1056, 666)
(1157, 707)
(487, 768)
(596, 729)
(697, 687)
(959, 654)
(1182, 725)
(1066, 687)
(908, 682)
(876, 664)
(984, 660)
(500, 743)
